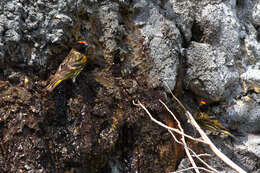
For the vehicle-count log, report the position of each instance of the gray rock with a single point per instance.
(184, 16)
(221, 27)
(243, 109)
(162, 37)
(25, 24)
(251, 74)
(218, 39)
(251, 47)
(256, 13)
(208, 75)
(252, 142)
(244, 116)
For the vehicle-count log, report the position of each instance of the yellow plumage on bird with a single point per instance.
(71, 66)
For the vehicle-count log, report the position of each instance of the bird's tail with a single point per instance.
(54, 82)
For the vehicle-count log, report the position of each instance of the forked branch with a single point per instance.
(205, 138)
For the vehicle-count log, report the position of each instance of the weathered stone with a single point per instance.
(210, 46)
(208, 75)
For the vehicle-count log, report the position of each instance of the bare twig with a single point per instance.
(174, 137)
(183, 139)
(194, 154)
(175, 130)
(222, 156)
(185, 146)
(165, 126)
(202, 161)
(187, 169)
(203, 155)
(205, 138)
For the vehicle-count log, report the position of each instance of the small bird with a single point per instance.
(71, 66)
(211, 123)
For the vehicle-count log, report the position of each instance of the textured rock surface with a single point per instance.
(211, 47)
(208, 74)
(158, 27)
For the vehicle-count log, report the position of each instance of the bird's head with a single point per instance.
(81, 46)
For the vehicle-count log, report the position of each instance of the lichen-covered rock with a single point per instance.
(162, 38)
(29, 31)
(256, 13)
(208, 75)
(210, 46)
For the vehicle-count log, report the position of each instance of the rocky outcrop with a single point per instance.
(202, 49)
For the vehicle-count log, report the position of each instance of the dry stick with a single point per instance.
(165, 126)
(194, 154)
(204, 154)
(206, 139)
(175, 130)
(184, 143)
(174, 137)
(202, 161)
(186, 169)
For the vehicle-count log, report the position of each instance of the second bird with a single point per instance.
(71, 66)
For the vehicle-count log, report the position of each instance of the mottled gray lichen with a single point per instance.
(214, 43)
(208, 74)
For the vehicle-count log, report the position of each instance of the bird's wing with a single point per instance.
(74, 62)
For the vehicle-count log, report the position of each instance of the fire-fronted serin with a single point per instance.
(71, 66)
